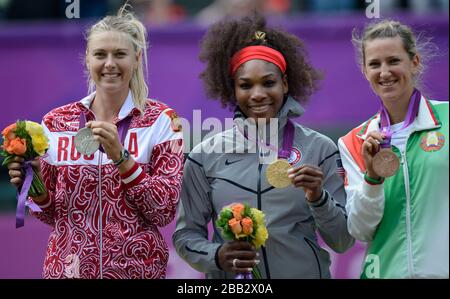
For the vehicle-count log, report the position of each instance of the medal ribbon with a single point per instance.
(22, 196)
(413, 109)
(122, 127)
(256, 140)
(288, 139)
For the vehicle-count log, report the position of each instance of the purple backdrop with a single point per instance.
(41, 68)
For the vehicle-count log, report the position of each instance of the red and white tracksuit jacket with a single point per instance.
(106, 225)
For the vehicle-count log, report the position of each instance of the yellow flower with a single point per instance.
(261, 234)
(38, 138)
(40, 144)
(259, 216)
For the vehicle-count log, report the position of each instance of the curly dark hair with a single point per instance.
(227, 37)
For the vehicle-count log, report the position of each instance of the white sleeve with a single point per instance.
(365, 202)
(163, 128)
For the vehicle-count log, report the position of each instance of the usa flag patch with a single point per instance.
(340, 168)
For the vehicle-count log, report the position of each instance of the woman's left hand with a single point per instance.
(106, 133)
(308, 177)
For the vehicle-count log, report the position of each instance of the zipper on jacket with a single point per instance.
(263, 249)
(100, 225)
(315, 255)
(408, 214)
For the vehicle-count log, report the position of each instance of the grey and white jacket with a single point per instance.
(213, 179)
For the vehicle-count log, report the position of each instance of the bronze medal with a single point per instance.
(276, 173)
(385, 163)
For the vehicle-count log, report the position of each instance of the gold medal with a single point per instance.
(385, 163)
(276, 173)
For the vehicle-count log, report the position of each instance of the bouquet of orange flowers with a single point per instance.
(25, 139)
(241, 222)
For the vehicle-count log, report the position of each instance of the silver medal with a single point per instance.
(85, 142)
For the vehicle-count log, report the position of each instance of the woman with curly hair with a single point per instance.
(264, 74)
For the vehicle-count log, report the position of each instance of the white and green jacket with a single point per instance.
(405, 219)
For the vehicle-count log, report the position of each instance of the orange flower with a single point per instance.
(238, 210)
(17, 146)
(8, 132)
(5, 144)
(247, 225)
(235, 226)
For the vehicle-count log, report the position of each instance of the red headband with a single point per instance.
(257, 52)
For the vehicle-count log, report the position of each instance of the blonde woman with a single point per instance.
(113, 170)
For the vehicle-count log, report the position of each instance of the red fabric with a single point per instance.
(131, 244)
(257, 52)
(130, 171)
(354, 146)
(136, 181)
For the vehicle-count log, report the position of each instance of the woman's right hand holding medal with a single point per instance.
(370, 147)
(309, 178)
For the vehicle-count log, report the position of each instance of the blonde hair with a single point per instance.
(125, 22)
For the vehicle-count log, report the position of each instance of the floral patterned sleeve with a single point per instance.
(49, 175)
(155, 187)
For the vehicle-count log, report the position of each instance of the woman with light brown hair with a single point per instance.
(397, 162)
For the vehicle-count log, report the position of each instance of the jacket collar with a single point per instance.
(426, 119)
(270, 135)
(127, 107)
(290, 109)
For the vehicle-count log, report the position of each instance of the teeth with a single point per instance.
(111, 75)
(259, 108)
(387, 83)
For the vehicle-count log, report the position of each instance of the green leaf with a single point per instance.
(21, 132)
(247, 211)
(256, 273)
(226, 214)
(7, 159)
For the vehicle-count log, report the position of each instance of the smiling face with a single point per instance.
(259, 89)
(111, 61)
(389, 69)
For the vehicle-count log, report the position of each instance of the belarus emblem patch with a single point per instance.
(432, 141)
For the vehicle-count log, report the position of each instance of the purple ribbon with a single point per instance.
(122, 127)
(244, 276)
(256, 140)
(413, 109)
(288, 139)
(22, 196)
